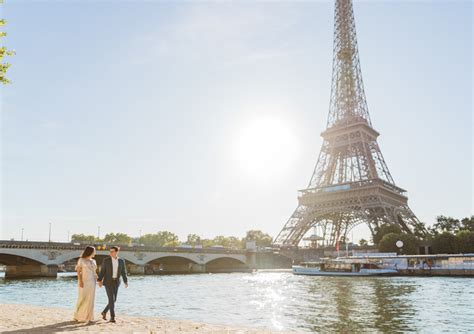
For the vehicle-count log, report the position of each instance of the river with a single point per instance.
(277, 300)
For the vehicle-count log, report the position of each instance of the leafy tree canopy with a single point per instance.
(363, 243)
(117, 238)
(388, 243)
(384, 229)
(4, 52)
(160, 239)
(261, 239)
(465, 240)
(445, 243)
(83, 238)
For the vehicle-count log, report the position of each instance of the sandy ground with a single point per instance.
(34, 319)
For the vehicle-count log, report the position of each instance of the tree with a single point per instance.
(160, 239)
(465, 241)
(410, 243)
(83, 238)
(228, 242)
(445, 224)
(384, 229)
(445, 243)
(363, 243)
(388, 243)
(420, 231)
(4, 53)
(261, 239)
(207, 243)
(117, 238)
(467, 224)
(235, 243)
(193, 239)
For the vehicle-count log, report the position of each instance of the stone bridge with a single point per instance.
(42, 259)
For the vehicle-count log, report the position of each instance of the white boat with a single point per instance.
(340, 267)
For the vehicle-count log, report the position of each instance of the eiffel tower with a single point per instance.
(351, 183)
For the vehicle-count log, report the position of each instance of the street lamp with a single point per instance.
(49, 239)
(98, 232)
(22, 229)
(399, 244)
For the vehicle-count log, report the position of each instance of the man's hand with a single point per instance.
(100, 284)
(126, 285)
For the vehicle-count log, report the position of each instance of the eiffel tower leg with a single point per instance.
(414, 225)
(296, 226)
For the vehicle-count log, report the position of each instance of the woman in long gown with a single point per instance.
(87, 277)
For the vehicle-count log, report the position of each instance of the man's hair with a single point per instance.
(116, 248)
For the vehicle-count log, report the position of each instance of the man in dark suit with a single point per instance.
(112, 268)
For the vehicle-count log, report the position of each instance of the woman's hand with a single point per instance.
(81, 284)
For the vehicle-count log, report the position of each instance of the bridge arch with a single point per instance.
(157, 257)
(26, 264)
(171, 264)
(236, 258)
(225, 264)
(8, 256)
(14, 260)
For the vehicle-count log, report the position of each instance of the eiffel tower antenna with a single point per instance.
(351, 183)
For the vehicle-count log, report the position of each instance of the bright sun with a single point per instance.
(265, 147)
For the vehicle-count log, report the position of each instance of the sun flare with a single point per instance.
(265, 147)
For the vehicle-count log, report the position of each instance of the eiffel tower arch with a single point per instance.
(351, 183)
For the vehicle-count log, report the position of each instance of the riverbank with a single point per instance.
(18, 318)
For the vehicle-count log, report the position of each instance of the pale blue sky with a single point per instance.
(141, 115)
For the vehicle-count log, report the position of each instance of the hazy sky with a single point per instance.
(204, 117)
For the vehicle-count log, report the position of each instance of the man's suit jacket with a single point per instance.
(106, 271)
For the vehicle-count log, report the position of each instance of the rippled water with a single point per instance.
(278, 300)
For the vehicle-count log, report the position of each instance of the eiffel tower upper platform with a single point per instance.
(351, 183)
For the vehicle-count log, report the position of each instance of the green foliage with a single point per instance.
(420, 231)
(160, 239)
(445, 243)
(388, 243)
(363, 243)
(83, 238)
(384, 229)
(467, 224)
(169, 239)
(228, 242)
(261, 239)
(4, 52)
(450, 235)
(445, 224)
(465, 241)
(117, 238)
(193, 239)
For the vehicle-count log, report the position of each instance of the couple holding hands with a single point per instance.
(109, 275)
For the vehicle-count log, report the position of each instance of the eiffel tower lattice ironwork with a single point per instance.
(351, 183)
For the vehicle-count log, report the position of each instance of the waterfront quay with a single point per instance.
(422, 265)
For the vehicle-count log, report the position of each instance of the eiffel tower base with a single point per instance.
(337, 210)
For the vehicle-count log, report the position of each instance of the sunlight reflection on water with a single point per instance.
(278, 300)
